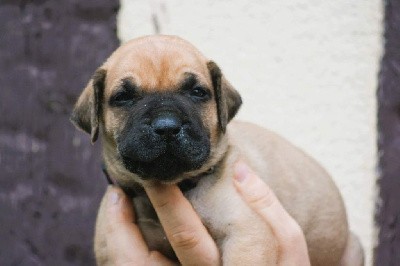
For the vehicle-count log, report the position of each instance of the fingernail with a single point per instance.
(242, 172)
(114, 197)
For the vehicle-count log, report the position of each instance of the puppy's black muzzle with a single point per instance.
(164, 139)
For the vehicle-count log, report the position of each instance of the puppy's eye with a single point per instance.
(199, 93)
(122, 97)
(125, 95)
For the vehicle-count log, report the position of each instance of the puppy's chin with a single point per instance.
(166, 168)
(166, 161)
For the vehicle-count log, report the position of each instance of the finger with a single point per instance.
(189, 238)
(124, 242)
(157, 259)
(260, 197)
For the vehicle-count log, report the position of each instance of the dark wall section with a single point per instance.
(50, 178)
(388, 208)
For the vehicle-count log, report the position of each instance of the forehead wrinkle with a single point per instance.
(112, 85)
(165, 77)
(160, 65)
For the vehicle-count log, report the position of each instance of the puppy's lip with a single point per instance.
(166, 167)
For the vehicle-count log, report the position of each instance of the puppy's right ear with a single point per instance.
(88, 108)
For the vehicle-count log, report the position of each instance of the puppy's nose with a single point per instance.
(166, 124)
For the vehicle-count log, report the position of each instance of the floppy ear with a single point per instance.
(88, 109)
(227, 98)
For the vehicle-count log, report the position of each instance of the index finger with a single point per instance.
(189, 238)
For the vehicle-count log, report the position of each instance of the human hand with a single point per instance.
(260, 198)
(187, 235)
(189, 238)
(120, 242)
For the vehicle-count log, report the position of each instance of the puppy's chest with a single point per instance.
(218, 205)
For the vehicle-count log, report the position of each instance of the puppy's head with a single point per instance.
(161, 109)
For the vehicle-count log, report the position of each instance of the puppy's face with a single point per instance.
(161, 107)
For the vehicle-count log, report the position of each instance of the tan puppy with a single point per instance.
(162, 110)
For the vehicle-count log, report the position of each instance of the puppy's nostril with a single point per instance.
(166, 124)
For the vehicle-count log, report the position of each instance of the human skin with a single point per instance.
(188, 236)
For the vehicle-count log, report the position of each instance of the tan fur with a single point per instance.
(158, 63)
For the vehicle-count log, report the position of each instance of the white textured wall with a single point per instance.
(306, 69)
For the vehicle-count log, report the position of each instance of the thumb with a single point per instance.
(116, 233)
(260, 197)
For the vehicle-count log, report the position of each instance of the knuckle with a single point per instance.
(184, 238)
(113, 229)
(109, 230)
(162, 204)
(262, 199)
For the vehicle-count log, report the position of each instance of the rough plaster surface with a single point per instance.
(306, 69)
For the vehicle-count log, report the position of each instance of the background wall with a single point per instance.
(50, 178)
(388, 96)
(306, 69)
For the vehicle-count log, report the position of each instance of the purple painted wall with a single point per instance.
(388, 209)
(50, 177)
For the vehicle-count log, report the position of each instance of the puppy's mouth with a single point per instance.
(165, 148)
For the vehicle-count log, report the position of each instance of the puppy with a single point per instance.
(163, 112)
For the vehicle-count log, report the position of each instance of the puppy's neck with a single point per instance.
(134, 191)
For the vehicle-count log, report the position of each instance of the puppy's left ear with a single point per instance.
(227, 98)
(88, 108)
